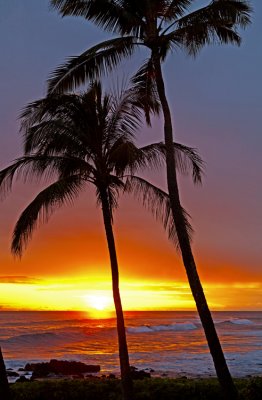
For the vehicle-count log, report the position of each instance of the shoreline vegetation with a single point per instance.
(93, 388)
(72, 380)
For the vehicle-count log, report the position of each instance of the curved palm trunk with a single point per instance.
(127, 384)
(4, 386)
(216, 351)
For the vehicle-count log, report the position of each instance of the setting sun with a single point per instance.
(98, 302)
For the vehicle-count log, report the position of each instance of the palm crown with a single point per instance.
(88, 138)
(161, 26)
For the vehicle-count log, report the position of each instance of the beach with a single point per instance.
(169, 344)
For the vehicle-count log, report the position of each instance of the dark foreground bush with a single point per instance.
(147, 389)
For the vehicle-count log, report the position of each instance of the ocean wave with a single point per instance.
(31, 337)
(45, 337)
(241, 321)
(236, 321)
(183, 326)
(139, 329)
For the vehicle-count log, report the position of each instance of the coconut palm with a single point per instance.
(4, 386)
(161, 26)
(82, 139)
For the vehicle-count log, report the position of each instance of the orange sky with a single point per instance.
(67, 262)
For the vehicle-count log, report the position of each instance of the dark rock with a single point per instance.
(78, 376)
(149, 369)
(139, 374)
(21, 369)
(60, 367)
(9, 369)
(53, 375)
(111, 376)
(29, 367)
(93, 377)
(22, 379)
(12, 373)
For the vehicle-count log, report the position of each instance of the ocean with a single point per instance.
(170, 343)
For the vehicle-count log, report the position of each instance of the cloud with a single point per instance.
(19, 279)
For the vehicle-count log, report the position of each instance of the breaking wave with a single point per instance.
(241, 322)
(43, 338)
(183, 326)
(236, 321)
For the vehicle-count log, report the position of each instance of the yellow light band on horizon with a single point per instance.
(73, 295)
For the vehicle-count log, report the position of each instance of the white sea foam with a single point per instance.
(140, 329)
(235, 321)
(182, 326)
(241, 322)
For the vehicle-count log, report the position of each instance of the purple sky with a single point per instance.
(216, 102)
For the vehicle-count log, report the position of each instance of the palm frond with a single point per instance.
(41, 208)
(217, 22)
(56, 115)
(124, 155)
(157, 202)
(114, 185)
(110, 15)
(188, 161)
(174, 9)
(42, 167)
(91, 64)
(65, 123)
(23, 168)
(193, 38)
(228, 12)
(53, 105)
(144, 87)
(125, 117)
(54, 137)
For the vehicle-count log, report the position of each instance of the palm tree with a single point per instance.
(161, 26)
(4, 386)
(88, 139)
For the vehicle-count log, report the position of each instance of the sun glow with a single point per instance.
(99, 305)
(98, 302)
(94, 296)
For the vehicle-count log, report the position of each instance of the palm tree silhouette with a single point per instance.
(161, 26)
(81, 139)
(4, 386)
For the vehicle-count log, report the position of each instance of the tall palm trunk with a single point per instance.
(127, 384)
(4, 386)
(216, 351)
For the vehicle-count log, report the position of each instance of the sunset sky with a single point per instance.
(216, 101)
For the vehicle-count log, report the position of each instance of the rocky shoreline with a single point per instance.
(62, 369)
